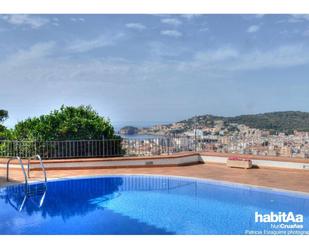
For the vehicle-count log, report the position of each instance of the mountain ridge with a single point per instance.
(282, 121)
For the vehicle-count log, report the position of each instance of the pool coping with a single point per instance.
(250, 187)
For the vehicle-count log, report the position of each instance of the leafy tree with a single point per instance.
(68, 123)
(3, 116)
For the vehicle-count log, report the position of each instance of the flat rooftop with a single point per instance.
(286, 179)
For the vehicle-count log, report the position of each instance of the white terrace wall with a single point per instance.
(173, 160)
(259, 162)
(114, 162)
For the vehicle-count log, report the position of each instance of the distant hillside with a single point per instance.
(128, 130)
(275, 121)
(204, 120)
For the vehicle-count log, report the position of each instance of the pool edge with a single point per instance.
(205, 180)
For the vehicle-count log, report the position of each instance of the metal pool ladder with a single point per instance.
(41, 165)
(27, 175)
(22, 167)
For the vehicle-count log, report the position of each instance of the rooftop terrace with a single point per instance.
(287, 179)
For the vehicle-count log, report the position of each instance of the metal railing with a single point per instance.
(98, 148)
(61, 149)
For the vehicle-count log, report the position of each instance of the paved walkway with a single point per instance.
(296, 180)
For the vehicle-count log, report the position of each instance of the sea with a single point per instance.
(140, 137)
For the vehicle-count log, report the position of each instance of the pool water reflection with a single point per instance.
(141, 205)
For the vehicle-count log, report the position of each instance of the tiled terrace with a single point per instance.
(288, 179)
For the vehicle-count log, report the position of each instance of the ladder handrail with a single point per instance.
(19, 209)
(41, 200)
(22, 167)
(41, 165)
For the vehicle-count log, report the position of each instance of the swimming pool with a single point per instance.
(140, 204)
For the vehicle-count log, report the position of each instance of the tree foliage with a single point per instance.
(36, 135)
(3, 116)
(68, 123)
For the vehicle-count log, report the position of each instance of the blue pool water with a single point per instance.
(145, 205)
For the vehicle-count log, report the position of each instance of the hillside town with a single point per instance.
(236, 138)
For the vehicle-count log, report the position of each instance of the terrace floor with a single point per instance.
(295, 180)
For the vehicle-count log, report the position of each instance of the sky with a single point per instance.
(147, 69)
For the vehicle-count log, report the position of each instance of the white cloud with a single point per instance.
(190, 16)
(77, 19)
(136, 26)
(306, 32)
(171, 33)
(282, 57)
(253, 29)
(33, 21)
(298, 18)
(295, 18)
(253, 17)
(204, 29)
(171, 21)
(159, 49)
(35, 52)
(80, 46)
(217, 55)
(284, 32)
(55, 21)
(259, 16)
(40, 64)
(36, 67)
(292, 20)
(229, 59)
